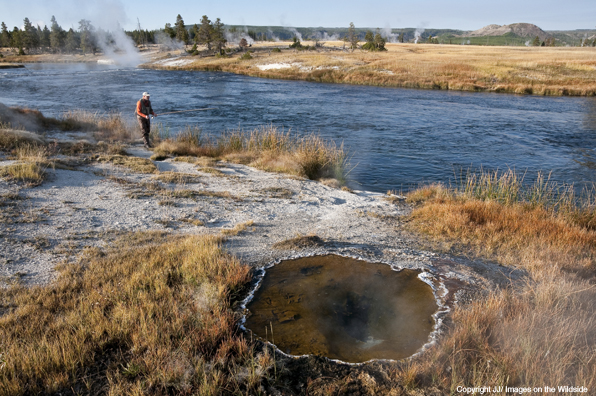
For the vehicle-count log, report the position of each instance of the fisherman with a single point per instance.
(143, 111)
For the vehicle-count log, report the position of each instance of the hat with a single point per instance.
(146, 94)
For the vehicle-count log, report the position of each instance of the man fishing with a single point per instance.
(144, 109)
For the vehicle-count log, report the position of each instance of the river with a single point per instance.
(397, 138)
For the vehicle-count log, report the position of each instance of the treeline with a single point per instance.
(33, 39)
(207, 33)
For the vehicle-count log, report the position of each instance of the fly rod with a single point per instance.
(184, 111)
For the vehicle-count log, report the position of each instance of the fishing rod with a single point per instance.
(184, 111)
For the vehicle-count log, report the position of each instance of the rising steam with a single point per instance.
(235, 37)
(418, 34)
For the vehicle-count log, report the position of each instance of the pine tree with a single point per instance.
(45, 37)
(72, 41)
(29, 38)
(219, 39)
(169, 30)
(4, 36)
(57, 36)
(16, 39)
(379, 41)
(205, 35)
(369, 37)
(181, 32)
(194, 32)
(88, 42)
(352, 37)
(536, 42)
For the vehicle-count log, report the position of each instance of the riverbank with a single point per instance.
(550, 71)
(553, 71)
(11, 66)
(124, 273)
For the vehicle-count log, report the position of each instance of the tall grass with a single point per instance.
(535, 332)
(31, 165)
(266, 148)
(150, 316)
(109, 127)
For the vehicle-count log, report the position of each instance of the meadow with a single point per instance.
(556, 71)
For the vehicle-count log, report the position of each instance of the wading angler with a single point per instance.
(144, 110)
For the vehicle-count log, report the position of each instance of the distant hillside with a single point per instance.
(573, 37)
(527, 30)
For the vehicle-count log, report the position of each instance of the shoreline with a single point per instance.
(558, 71)
(11, 66)
(512, 70)
(93, 203)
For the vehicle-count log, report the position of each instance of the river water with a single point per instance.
(397, 138)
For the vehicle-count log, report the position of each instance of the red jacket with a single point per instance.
(144, 108)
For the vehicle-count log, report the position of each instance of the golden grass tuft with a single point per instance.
(538, 331)
(12, 138)
(177, 177)
(136, 164)
(109, 127)
(266, 148)
(151, 315)
(237, 229)
(31, 165)
(24, 172)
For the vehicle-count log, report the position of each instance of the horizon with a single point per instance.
(462, 15)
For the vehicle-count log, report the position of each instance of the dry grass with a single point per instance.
(11, 138)
(266, 148)
(24, 172)
(105, 127)
(136, 164)
(540, 332)
(237, 229)
(31, 165)
(151, 316)
(177, 178)
(522, 70)
(108, 127)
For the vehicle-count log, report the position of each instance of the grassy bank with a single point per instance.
(539, 331)
(522, 70)
(150, 315)
(267, 148)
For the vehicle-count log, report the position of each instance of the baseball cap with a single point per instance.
(146, 94)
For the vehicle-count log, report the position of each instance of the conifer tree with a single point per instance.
(536, 42)
(379, 41)
(16, 40)
(352, 37)
(88, 43)
(170, 31)
(205, 35)
(29, 38)
(44, 38)
(57, 36)
(72, 41)
(369, 37)
(219, 38)
(181, 32)
(194, 32)
(4, 36)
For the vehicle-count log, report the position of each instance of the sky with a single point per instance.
(455, 14)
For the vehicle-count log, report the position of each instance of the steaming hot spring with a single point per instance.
(342, 308)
